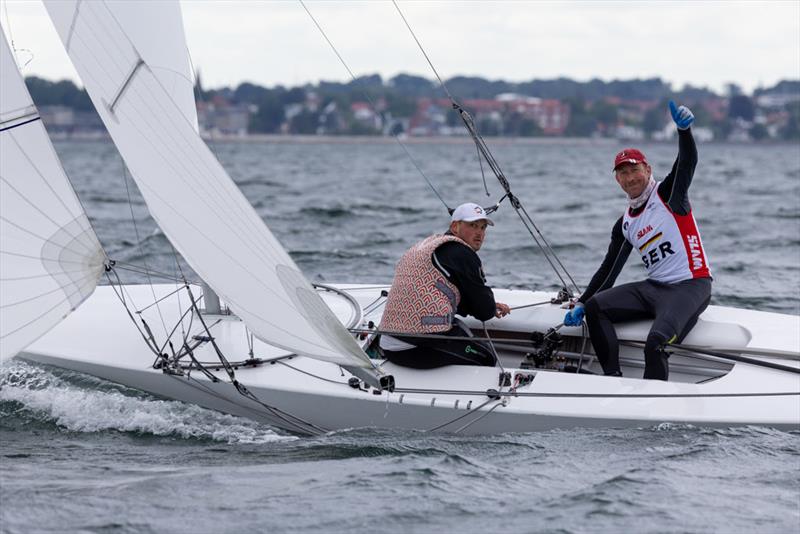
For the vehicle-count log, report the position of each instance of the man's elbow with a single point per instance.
(484, 313)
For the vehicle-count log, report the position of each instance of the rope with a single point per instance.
(490, 410)
(469, 412)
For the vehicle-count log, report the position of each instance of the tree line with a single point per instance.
(594, 105)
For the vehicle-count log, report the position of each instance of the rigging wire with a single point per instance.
(483, 150)
(134, 268)
(141, 248)
(375, 109)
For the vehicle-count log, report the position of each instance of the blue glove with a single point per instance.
(682, 116)
(574, 317)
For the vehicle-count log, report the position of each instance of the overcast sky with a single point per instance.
(275, 42)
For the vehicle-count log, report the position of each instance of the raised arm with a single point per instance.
(674, 190)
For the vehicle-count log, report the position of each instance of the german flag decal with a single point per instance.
(650, 241)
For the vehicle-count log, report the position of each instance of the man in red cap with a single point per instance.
(659, 224)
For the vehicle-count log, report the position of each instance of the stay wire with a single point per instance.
(444, 86)
(141, 247)
(435, 72)
(483, 149)
(121, 296)
(375, 109)
(522, 213)
(124, 266)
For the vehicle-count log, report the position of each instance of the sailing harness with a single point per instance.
(422, 299)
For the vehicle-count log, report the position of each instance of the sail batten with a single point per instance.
(190, 196)
(50, 257)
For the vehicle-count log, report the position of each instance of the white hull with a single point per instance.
(100, 339)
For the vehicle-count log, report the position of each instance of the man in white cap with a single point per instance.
(660, 225)
(437, 278)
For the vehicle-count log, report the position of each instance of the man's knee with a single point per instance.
(592, 309)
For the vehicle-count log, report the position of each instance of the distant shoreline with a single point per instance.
(382, 140)
(445, 140)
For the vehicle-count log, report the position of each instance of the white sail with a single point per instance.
(50, 258)
(190, 195)
(156, 30)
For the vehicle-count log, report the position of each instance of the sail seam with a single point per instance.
(88, 276)
(34, 276)
(72, 25)
(37, 258)
(59, 303)
(46, 216)
(70, 211)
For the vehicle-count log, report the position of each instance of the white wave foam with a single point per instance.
(80, 409)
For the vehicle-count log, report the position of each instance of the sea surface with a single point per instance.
(78, 454)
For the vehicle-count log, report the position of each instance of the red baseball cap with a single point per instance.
(629, 155)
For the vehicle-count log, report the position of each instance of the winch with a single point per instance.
(544, 354)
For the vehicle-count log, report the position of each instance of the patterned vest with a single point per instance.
(421, 300)
(668, 243)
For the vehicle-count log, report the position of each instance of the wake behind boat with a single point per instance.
(279, 350)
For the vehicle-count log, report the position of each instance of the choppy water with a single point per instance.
(79, 454)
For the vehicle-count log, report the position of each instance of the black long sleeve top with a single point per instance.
(462, 266)
(673, 190)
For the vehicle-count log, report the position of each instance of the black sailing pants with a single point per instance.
(674, 309)
(429, 353)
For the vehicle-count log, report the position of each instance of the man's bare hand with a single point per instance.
(502, 310)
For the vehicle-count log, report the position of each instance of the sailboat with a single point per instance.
(279, 349)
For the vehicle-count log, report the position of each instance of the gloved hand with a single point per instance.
(575, 315)
(682, 116)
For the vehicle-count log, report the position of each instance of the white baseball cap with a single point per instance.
(469, 212)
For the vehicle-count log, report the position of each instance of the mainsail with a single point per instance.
(50, 258)
(189, 194)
